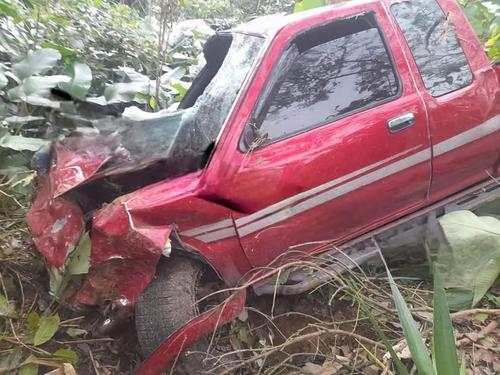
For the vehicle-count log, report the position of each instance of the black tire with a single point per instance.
(166, 305)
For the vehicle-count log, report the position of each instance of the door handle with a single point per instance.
(401, 122)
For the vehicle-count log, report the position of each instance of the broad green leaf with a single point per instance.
(459, 299)
(20, 143)
(79, 85)
(100, 100)
(124, 91)
(472, 259)
(32, 321)
(182, 88)
(173, 74)
(445, 352)
(308, 4)
(21, 120)
(419, 352)
(79, 259)
(7, 308)
(133, 75)
(48, 326)
(64, 51)
(36, 62)
(11, 359)
(57, 282)
(66, 356)
(9, 9)
(35, 87)
(29, 370)
(152, 102)
(3, 78)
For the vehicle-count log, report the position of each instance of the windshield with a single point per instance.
(211, 108)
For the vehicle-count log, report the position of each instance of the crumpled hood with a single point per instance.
(114, 146)
(70, 202)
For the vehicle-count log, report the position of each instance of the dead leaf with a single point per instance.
(65, 369)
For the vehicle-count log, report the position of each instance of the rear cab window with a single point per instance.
(435, 47)
(325, 74)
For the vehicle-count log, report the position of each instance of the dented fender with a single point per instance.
(129, 235)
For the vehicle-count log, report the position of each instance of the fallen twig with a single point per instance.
(473, 337)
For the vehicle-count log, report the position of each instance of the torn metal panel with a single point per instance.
(125, 251)
(56, 225)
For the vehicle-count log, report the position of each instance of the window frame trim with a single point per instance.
(400, 30)
(244, 148)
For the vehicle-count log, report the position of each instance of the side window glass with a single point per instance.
(434, 45)
(338, 69)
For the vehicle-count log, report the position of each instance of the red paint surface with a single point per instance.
(163, 358)
(56, 225)
(75, 161)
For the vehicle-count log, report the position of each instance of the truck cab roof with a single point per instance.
(268, 26)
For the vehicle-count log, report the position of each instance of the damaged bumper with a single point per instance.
(124, 250)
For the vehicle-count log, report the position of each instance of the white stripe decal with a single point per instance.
(336, 192)
(287, 202)
(486, 128)
(208, 228)
(218, 235)
(333, 189)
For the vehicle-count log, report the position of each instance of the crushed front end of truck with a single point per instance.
(94, 246)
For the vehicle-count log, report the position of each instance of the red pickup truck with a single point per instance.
(302, 133)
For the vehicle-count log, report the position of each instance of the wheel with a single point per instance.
(167, 304)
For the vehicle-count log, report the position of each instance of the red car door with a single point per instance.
(460, 88)
(336, 143)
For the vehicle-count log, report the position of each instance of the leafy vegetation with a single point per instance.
(484, 17)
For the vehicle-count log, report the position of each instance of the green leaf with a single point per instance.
(9, 9)
(66, 356)
(36, 86)
(402, 370)
(463, 364)
(3, 78)
(445, 352)
(459, 299)
(36, 62)
(79, 85)
(32, 321)
(21, 120)
(76, 332)
(182, 88)
(20, 143)
(64, 51)
(12, 359)
(124, 91)
(308, 4)
(57, 282)
(173, 74)
(29, 370)
(415, 342)
(79, 259)
(48, 326)
(472, 259)
(152, 102)
(7, 308)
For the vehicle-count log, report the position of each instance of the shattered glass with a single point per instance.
(184, 137)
